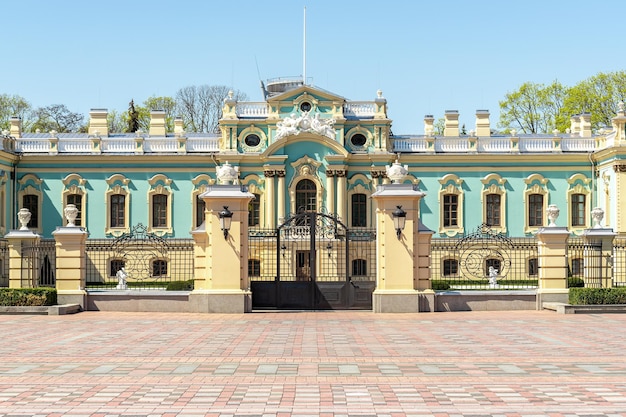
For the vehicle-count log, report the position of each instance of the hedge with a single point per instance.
(28, 296)
(588, 296)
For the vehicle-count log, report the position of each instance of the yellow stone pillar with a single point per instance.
(70, 265)
(330, 191)
(401, 270)
(601, 264)
(280, 211)
(552, 258)
(18, 243)
(221, 283)
(342, 199)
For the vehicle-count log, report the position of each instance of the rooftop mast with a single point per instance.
(304, 50)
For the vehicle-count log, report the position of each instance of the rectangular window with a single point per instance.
(359, 267)
(159, 210)
(254, 268)
(577, 267)
(450, 210)
(254, 211)
(450, 267)
(533, 267)
(77, 200)
(200, 207)
(535, 210)
(493, 210)
(159, 268)
(118, 210)
(116, 265)
(492, 263)
(359, 210)
(31, 202)
(578, 210)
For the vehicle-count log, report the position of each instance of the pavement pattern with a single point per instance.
(337, 363)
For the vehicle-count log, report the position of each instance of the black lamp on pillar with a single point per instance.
(226, 217)
(399, 219)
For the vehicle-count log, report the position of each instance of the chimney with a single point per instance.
(178, 126)
(585, 125)
(482, 123)
(452, 123)
(574, 129)
(429, 125)
(98, 122)
(16, 127)
(157, 123)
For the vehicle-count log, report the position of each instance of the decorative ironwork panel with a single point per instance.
(150, 261)
(619, 262)
(584, 261)
(4, 263)
(39, 264)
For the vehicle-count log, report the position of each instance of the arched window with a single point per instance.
(578, 211)
(116, 265)
(492, 262)
(535, 210)
(77, 200)
(31, 202)
(118, 210)
(159, 210)
(306, 196)
(533, 267)
(159, 268)
(492, 210)
(359, 267)
(200, 207)
(359, 210)
(254, 268)
(254, 211)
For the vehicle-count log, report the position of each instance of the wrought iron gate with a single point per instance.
(312, 261)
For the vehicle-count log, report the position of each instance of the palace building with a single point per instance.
(310, 157)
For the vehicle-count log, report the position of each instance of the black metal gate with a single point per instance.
(312, 261)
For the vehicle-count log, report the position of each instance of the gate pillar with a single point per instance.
(17, 241)
(602, 267)
(221, 274)
(399, 261)
(70, 264)
(553, 267)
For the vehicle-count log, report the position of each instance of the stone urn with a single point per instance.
(553, 213)
(71, 212)
(24, 217)
(397, 172)
(227, 174)
(597, 214)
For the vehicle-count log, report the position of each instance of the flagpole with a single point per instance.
(304, 49)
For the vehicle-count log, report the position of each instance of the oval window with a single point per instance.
(305, 106)
(358, 139)
(252, 140)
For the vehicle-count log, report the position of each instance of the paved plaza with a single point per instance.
(528, 363)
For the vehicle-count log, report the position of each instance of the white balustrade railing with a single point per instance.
(118, 145)
(79, 145)
(252, 110)
(529, 145)
(410, 145)
(359, 109)
(451, 145)
(160, 145)
(39, 145)
(494, 144)
(205, 144)
(578, 144)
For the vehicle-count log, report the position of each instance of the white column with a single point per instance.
(270, 204)
(330, 191)
(280, 211)
(341, 195)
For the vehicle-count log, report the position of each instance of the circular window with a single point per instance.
(358, 139)
(305, 106)
(252, 140)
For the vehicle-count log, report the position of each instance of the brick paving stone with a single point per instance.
(345, 363)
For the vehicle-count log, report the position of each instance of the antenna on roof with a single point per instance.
(263, 89)
(304, 50)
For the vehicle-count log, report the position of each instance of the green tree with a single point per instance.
(57, 117)
(13, 105)
(167, 104)
(533, 108)
(598, 95)
(132, 117)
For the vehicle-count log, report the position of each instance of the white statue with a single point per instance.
(121, 279)
(293, 125)
(493, 277)
(287, 126)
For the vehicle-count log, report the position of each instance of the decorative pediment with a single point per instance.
(294, 125)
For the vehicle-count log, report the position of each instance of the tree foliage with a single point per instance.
(539, 108)
(598, 95)
(201, 106)
(59, 118)
(13, 105)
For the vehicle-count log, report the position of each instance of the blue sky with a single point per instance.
(426, 57)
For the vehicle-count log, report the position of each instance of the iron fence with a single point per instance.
(149, 264)
(484, 260)
(39, 264)
(619, 262)
(584, 262)
(4, 263)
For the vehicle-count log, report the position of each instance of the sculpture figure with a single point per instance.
(493, 276)
(121, 279)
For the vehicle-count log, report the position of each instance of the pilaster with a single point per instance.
(18, 241)
(70, 264)
(553, 267)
